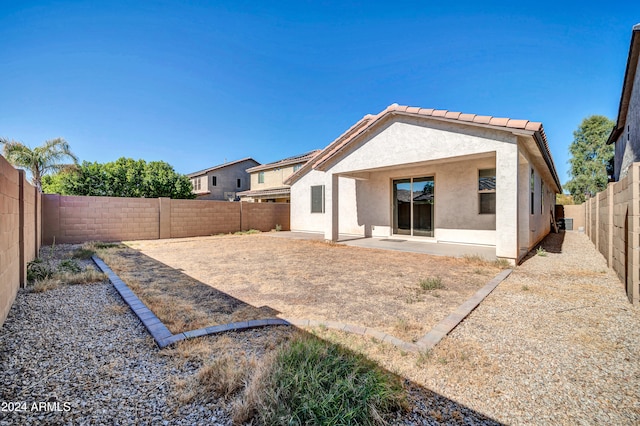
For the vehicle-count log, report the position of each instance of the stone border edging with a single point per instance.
(444, 327)
(429, 340)
(163, 337)
(160, 333)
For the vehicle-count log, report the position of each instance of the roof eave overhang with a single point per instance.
(627, 84)
(325, 163)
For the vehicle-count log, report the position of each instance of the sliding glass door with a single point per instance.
(413, 206)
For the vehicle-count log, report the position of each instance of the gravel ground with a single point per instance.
(77, 346)
(556, 343)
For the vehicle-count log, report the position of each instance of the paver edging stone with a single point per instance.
(163, 337)
(160, 333)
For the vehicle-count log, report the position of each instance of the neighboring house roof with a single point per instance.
(486, 121)
(404, 195)
(285, 190)
(285, 161)
(220, 166)
(627, 85)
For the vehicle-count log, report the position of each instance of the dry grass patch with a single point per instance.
(181, 302)
(57, 266)
(308, 279)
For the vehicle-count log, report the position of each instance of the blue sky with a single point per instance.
(196, 82)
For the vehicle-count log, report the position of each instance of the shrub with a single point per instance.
(39, 269)
(431, 283)
(310, 381)
(69, 265)
(540, 251)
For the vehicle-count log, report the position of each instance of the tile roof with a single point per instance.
(220, 166)
(285, 190)
(480, 120)
(627, 85)
(286, 161)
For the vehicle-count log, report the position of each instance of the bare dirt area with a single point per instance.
(257, 276)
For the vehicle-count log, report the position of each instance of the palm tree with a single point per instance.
(40, 160)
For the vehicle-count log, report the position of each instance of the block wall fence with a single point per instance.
(20, 213)
(71, 219)
(612, 222)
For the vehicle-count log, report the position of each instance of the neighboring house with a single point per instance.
(222, 182)
(626, 133)
(267, 180)
(433, 175)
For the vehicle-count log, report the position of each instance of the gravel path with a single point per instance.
(556, 343)
(77, 346)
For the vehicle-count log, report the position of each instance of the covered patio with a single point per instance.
(399, 244)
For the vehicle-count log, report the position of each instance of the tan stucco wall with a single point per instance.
(273, 178)
(424, 150)
(577, 213)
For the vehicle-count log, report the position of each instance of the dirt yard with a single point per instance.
(256, 276)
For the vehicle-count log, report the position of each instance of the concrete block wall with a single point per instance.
(193, 218)
(69, 219)
(72, 219)
(613, 225)
(265, 216)
(19, 225)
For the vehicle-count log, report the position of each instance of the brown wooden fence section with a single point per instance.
(20, 205)
(70, 219)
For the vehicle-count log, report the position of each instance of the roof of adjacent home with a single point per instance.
(337, 146)
(296, 159)
(258, 193)
(220, 166)
(627, 85)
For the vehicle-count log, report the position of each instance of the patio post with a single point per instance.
(507, 202)
(332, 194)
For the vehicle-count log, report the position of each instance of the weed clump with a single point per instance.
(540, 251)
(45, 273)
(310, 381)
(431, 283)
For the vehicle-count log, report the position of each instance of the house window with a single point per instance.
(317, 199)
(487, 191)
(260, 177)
(541, 196)
(196, 184)
(297, 167)
(238, 183)
(214, 180)
(532, 187)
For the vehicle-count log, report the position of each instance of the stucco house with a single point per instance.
(222, 182)
(267, 180)
(626, 133)
(431, 175)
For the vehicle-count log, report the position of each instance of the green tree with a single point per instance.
(124, 177)
(41, 160)
(590, 158)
